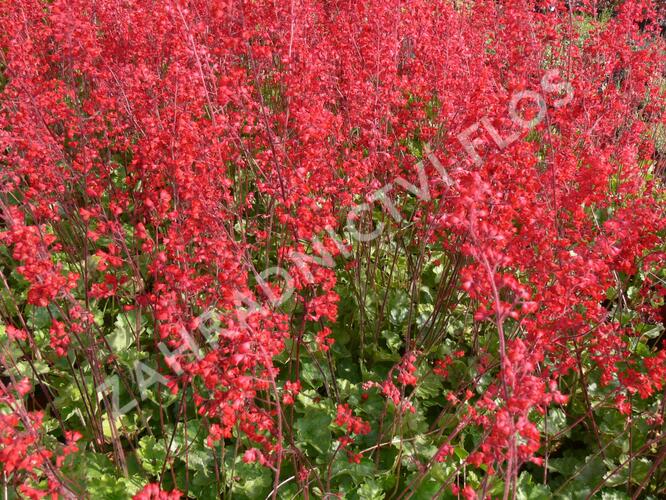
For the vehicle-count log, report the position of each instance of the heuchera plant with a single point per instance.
(295, 249)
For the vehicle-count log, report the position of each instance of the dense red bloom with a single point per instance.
(193, 162)
(352, 424)
(153, 492)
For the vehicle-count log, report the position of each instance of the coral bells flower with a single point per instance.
(16, 333)
(622, 404)
(59, 339)
(355, 190)
(324, 340)
(291, 390)
(153, 492)
(353, 425)
(71, 438)
(441, 366)
(406, 370)
(23, 386)
(469, 493)
(444, 451)
(254, 455)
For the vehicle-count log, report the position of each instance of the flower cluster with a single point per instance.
(426, 197)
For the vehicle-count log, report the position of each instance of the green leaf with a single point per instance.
(255, 481)
(428, 489)
(614, 495)
(359, 473)
(370, 490)
(565, 466)
(639, 470)
(123, 335)
(151, 454)
(310, 374)
(556, 422)
(528, 489)
(429, 388)
(103, 480)
(22, 369)
(398, 308)
(393, 340)
(313, 429)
